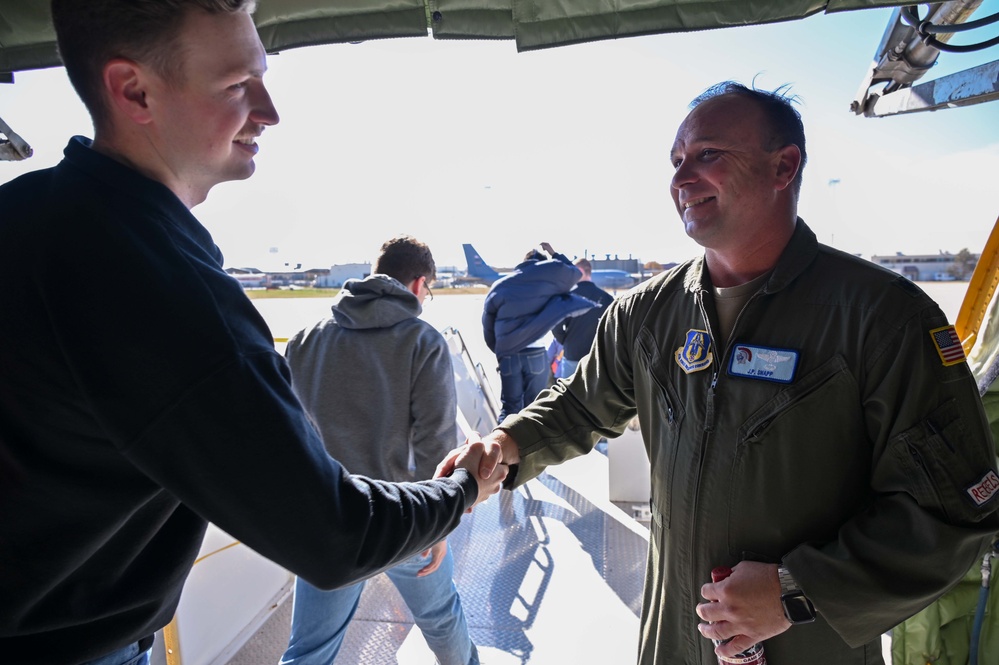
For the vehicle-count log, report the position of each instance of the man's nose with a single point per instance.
(264, 111)
(683, 175)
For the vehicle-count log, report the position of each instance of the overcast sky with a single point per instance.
(459, 142)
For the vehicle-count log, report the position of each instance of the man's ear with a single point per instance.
(414, 287)
(788, 163)
(125, 84)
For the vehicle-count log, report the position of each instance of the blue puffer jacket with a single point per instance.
(524, 305)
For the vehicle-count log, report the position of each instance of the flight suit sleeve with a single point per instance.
(934, 484)
(568, 419)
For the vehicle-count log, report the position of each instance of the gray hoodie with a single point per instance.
(378, 382)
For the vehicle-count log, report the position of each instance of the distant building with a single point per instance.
(297, 278)
(339, 274)
(628, 265)
(250, 278)
(254, 278)
(941, 267)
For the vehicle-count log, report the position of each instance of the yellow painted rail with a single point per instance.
(981, 288)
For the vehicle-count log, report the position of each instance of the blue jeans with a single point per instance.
(319, 618)
(522, 376)
(566, 367)
(130, 655)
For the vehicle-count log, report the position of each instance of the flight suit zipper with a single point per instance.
(709, 426)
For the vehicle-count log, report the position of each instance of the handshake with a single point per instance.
(487, 459)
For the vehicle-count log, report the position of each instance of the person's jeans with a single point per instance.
(319, 618)
(133, 654)
(522, 376)
(566, 367)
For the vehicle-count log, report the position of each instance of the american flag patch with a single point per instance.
(948, 345)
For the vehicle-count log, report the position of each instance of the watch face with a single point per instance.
(797, 608)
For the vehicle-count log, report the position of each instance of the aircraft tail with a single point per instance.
(477, 267)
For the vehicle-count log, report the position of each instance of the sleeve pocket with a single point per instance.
(931, 462)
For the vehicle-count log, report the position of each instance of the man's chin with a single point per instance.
(697, 230)
(247, 170)
(240, 172)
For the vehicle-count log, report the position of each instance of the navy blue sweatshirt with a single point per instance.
(141, 395)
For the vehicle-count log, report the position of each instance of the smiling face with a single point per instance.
(206, 121)
(727, 187)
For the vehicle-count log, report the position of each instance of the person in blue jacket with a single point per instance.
(520, 310)
(576, 334)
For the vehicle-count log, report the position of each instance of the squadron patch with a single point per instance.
(948, 345)
(695, 354)
(761, 362)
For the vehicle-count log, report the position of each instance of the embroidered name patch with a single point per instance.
(948, 345)
(984, 489)
(695, 354)
(761, 362)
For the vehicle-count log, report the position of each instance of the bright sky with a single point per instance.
(459, 142)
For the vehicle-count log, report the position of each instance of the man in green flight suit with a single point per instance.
(810, 418)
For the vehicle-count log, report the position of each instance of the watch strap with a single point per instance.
(787, 583)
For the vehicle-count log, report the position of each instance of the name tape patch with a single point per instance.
(984, 489)
(764, 363)
(948, 345)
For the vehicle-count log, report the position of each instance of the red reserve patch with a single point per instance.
(984, 489)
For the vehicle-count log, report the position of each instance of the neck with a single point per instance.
(140, 155)
(745, 262)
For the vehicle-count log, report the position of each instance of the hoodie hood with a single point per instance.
(377, 301)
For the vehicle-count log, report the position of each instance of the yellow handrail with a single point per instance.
(981, 288)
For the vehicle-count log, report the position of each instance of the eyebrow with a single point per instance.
(694, 141)
(239, 66)
(240, 70)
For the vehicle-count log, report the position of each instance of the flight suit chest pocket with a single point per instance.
(659, 399)
(933, 462)
(801, 461)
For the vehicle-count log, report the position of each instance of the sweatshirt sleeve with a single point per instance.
(433, 405)
(259, 462)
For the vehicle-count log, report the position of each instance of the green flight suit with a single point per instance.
(941, 633)
(828, 434)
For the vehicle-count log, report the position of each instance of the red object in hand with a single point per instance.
(720, 573)
(753, 655)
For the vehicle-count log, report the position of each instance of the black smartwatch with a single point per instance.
(797, 607)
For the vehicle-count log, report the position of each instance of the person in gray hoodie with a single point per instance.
(375, 355)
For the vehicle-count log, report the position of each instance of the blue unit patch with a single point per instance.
(761, 362)
(695, 354)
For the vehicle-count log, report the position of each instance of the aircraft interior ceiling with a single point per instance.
(27, 40)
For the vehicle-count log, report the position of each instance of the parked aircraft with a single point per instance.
(613, 279)
(478, 271)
